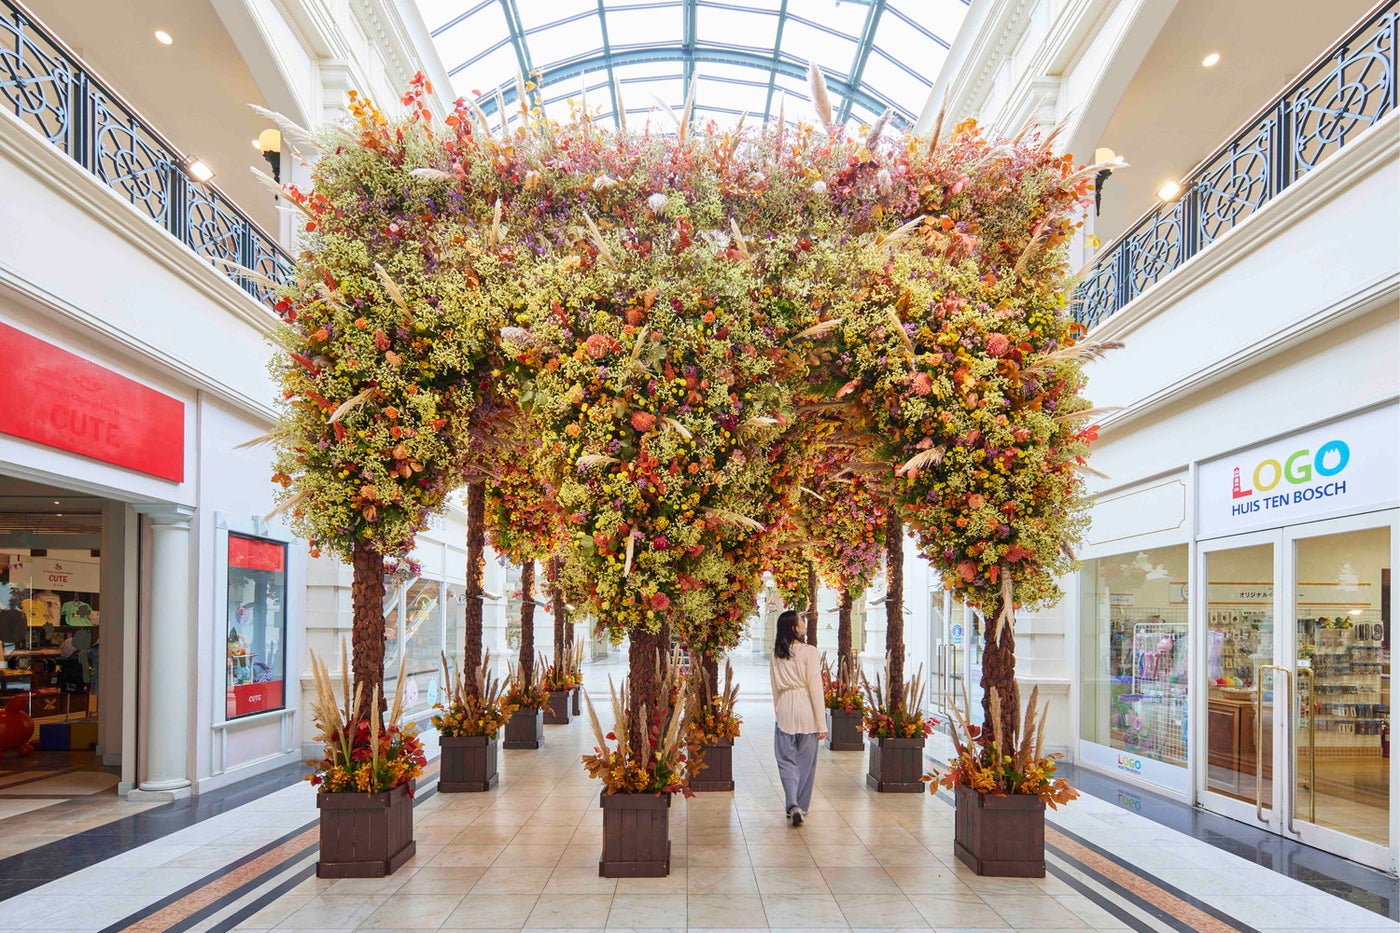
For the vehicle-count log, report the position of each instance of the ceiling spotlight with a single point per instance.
(164, 38)
(56, 502)
(1211, 60)
(1169, 191)
(199, 171)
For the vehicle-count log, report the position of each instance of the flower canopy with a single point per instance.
(669, 312)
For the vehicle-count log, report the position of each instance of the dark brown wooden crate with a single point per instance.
(896, 766)
(578, 700)
(365, 835)
(556, 713)
(469, 763)
(1002, 837)
(525, 729)
(843, 733)
(636, 836)
(718, 773)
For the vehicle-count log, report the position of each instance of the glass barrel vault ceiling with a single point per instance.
(742, 56)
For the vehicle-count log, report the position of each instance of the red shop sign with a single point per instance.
(255, 553)
(243, 699)
(61, 400)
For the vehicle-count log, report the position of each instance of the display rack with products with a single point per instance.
(1345, 708)
(1149, 654)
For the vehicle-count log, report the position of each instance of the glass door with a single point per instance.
(1340, 623)
(953, 684)
(1295, 653)
(1238, 664)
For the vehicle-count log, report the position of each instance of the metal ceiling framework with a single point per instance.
(584, 54)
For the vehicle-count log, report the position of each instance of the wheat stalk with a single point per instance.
(820, 100)
(350, 404)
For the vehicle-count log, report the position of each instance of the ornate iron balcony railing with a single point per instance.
(1341, 95)
(48, 88)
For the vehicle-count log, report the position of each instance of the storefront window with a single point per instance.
(257, 625)
(1135, 656)
(413, 637)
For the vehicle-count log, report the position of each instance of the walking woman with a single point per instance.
(800, 708)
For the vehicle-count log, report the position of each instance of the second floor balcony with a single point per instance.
(1344, 93)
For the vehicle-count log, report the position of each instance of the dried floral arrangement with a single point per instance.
(714, 717)
(466, 712)
(891, 716)
(361, 752)
(566, 675)
(842, 687)
(984, 764)
(654, 760)
(525, 689)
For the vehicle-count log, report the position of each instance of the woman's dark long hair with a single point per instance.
(787, 634)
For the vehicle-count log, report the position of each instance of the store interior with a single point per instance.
(51, 604)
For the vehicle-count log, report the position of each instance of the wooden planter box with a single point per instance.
(896, 766)
(636, 836)
(365, 835)
(557, 712)
(1003, 837)
(843, 731)
(525, 729)
(578, 700)
(468, 763)
(718, 773)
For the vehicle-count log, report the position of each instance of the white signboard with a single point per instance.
(47, 573)
(1341, 469)
(1134, 765)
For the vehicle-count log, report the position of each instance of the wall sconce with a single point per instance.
(1102, 156)
(270, 142)
(199, 170)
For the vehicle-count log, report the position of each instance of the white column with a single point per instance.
(168, 655)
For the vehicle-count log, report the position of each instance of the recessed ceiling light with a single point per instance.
(56, 502)
(199, 171)
(1211, 60)
(1169, 191)
(256, 144)
(164, 38)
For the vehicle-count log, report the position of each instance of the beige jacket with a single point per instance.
(797, 691)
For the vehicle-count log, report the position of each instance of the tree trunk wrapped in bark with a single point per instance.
(812, 602)
(367, 627)
(843, 631)
(999, 673)
(476, 568)
(527, 619)
(562, 653)
(641, 674)
(894, 602)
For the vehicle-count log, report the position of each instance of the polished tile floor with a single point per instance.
(524, 857)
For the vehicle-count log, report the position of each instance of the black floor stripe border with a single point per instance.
(1171, 889)
(1116, 910)
(242, 890)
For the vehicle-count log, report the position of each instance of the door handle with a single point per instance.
(1312, 747)
(1259, 734)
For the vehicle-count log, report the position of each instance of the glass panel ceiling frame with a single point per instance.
(740, 56)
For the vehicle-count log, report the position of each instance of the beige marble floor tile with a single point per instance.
(483, 836)
(811, 911)
(469, 856)
(784, 856)
(860, 881)
(956, 912)
(1036, 911)
(513, 879)
(325, 912)
(929, 880)
(851, 856)
(430, 880)
(273, 914)
(729, 912)
(794, 880)
(715, 856)
(579, 879)
(903, 856)
(733, 880)
(491, 911)
(516, 855)
(420, 911)
(570, 912)
(870, 910)
(639, 911)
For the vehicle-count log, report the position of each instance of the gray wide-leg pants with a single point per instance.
(797, 766)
